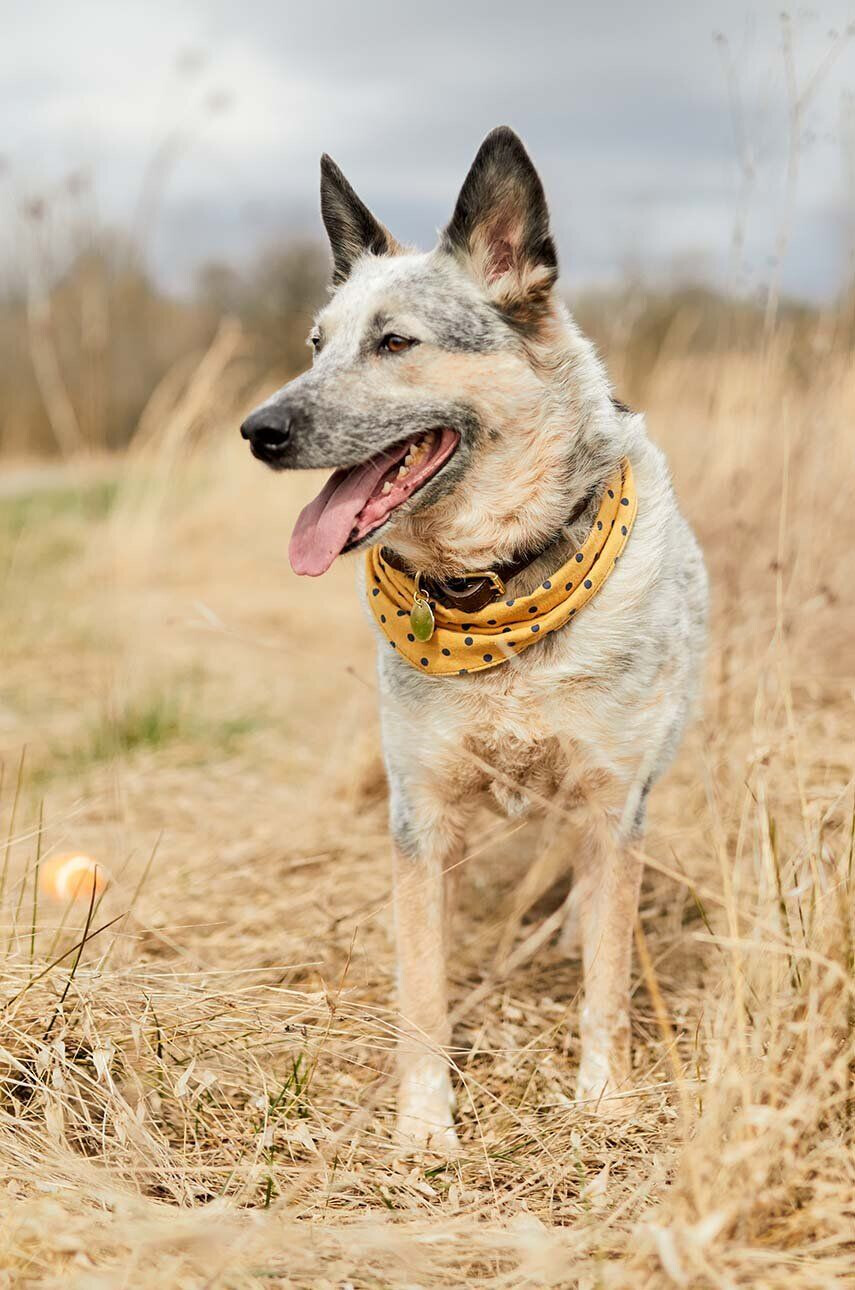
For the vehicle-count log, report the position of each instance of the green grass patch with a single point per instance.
(150, 723)
(87, 502)
(159, 721)
(42, 529)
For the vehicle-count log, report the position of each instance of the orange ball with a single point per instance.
(71, 876)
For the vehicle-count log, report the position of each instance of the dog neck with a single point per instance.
(476, 589)
(530, 495)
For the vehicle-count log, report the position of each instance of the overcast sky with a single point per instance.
(656, 141)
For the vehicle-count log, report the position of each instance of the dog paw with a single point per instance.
(414, 1133)
(599, 1092)
(606, 1101)
(426, 1110)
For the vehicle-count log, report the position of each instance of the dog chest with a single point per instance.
(516, 744)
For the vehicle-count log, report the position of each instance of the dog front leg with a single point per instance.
(607, 907)
(425, 848)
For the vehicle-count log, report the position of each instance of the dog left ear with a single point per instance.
(351, 228)
(500, 226)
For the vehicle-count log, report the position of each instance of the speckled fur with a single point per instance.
(584, 723)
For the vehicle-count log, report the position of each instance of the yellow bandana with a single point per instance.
(463, 643)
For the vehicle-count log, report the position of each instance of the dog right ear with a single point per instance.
(351, 228)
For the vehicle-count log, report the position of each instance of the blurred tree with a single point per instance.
(284, 289)
(86, 346)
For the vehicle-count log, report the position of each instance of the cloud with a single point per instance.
(634, 114)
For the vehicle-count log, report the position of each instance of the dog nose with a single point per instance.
(268, 432)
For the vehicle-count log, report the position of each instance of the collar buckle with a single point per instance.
(478, 575)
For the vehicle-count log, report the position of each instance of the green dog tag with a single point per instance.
(421, 620)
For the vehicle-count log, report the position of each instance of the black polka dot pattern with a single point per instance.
(533, 616)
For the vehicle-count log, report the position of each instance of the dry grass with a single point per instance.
(202, 1095)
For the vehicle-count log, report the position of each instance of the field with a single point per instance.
(196, 1067)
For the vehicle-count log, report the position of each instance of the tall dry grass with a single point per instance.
(93, 348)
(196, 1072)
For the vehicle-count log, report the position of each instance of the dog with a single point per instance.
(476, 444)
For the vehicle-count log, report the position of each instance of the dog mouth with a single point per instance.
(358, 499)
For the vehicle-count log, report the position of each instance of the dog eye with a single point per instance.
(393, 344)
(315, 340)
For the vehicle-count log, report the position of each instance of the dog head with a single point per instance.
(432, 391)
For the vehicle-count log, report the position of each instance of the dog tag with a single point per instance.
(421, 614)
(421, 620)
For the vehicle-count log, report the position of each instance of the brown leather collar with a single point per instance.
(468, 593)
(473, 591)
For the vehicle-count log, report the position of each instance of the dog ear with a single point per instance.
(500, 226)
(351, 228)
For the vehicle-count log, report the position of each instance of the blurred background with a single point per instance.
(159, 172)
(209, 1027)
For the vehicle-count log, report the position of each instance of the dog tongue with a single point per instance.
(324, 526)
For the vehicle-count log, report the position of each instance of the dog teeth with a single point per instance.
(387, 488)
(416, 453)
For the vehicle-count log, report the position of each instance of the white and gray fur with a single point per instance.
(580, 725)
